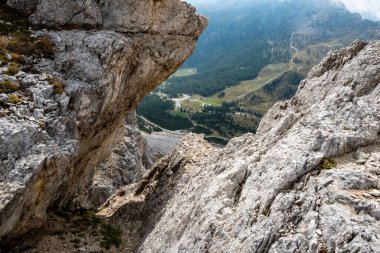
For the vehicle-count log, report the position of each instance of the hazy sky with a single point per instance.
(367, 8)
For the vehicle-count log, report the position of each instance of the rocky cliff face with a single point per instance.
(126, 165)
(308, 181)
(50, 141)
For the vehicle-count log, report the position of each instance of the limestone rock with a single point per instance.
(126, 165)
(136, 208)
(51, 142)
(303, 183)
(172, 17)
(161, 143)
(28, 7)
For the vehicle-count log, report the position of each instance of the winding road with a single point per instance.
(292, 42)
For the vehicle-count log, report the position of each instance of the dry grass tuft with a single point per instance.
(8, 86)
(58, 85)
(14, 99)
(13, 69)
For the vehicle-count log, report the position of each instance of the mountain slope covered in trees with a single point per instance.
(246, 38)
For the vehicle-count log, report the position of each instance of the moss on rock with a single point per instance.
(328, 164)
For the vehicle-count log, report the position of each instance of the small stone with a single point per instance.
(319, 232)
(8, 56)
(375, 193)
(366, 195)
(9, 78)
(41, 33)
(20, 74)
(318, 202)
(361, 162)
(3, 97)
(42, 77)
(38, 114)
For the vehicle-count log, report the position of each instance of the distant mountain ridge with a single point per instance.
(245, 36)
(252, 55)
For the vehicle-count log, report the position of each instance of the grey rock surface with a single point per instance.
(126, 165)
(172, 17)
(136, 208)
(306, 182)
(161, 143)
(28, 7)
(51, 142)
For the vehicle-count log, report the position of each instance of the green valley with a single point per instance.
(237, 74)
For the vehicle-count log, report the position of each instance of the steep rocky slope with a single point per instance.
(51, 139)
(308, 181)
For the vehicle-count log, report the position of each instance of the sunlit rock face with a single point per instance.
(308, 181)
(126, 165)
(164, 17)
(50, 143)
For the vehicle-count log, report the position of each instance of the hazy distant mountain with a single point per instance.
(253, 54)
(245, 36)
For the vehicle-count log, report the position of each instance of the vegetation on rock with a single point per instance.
(14, 99)
(58, 85)
(19, 45)
(13, 69)
(328, 164)
(8, 86)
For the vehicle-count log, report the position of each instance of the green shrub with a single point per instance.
(111, 236)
